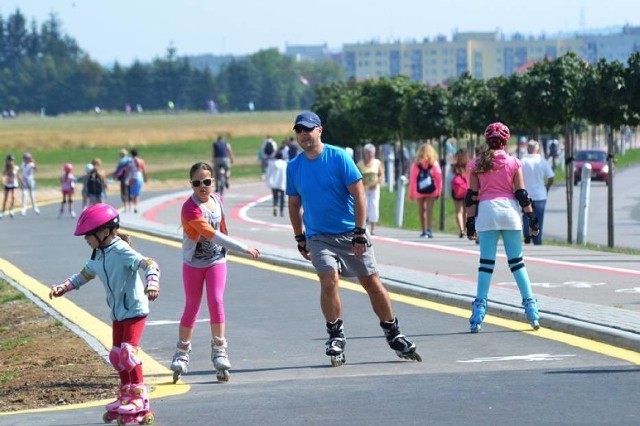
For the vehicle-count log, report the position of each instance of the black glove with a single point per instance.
(471, 227)
(533, 222)
(360, 237)
(301, 239)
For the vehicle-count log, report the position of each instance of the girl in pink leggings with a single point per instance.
(204, 247)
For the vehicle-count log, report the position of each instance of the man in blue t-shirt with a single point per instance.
(327, 213)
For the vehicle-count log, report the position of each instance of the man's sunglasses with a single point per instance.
(300, 129)
(206, 182)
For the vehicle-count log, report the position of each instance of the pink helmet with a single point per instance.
(95, 217)
(68, 167)
(497, 130)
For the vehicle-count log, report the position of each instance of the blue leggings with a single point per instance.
(513, 248)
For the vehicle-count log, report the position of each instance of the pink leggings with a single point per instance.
(215, 277)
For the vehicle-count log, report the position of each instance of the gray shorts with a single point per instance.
(335, 252)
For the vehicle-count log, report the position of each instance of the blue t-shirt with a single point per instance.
(322, 185)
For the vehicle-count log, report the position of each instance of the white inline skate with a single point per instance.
(180, 361)
(397, 341)
(220, 359)
(336, 343)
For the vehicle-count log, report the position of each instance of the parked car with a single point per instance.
(599, 166)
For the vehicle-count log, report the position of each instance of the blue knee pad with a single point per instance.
(114, 359)
(128, 358)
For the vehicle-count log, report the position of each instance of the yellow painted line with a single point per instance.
(544, 333)
(156, 375)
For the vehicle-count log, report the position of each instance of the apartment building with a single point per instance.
(483, 54)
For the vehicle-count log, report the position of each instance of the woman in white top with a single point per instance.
(28, 183)
(372, 172)
(277, 180)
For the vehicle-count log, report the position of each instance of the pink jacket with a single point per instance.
(436, 172)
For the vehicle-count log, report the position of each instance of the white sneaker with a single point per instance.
(73, 214)
(23, 212)
(36, 210)
(11, 213)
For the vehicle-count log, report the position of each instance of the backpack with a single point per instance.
(459, 187)
(268, 149)
(95, 185)
(425, 182)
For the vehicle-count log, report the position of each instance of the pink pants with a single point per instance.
(194, 280)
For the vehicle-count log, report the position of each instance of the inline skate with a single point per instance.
(336, 343)
(112, 408)
(180, 362)
(531, 311)
(397, 341)
(137, 410)
(220, 359)
(479, 309)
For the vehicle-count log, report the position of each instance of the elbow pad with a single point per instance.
(523, 197)
(468, 199)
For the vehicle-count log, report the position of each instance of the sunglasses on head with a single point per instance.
(300, 129)
(206, 182)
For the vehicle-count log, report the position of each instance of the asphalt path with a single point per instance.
(626, 208)
(506, 374)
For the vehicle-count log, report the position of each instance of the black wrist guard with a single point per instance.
(471, 227)
(301, 238)
(359, 231)
(360, 239)
(533, 221)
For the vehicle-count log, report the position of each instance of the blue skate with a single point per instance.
(477, 315)
(531, 311)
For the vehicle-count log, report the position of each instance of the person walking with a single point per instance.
(425, 185)
(204, 249)
(120, 174)
(136, 177)
(116, 263)
(495, 197)
(327, 214)
(96, 183)
(372, 172)
(538, 178)
(459, 186)
(68, 188)
(222, 156)
(28, 178)
(277, 181)
(10, 181)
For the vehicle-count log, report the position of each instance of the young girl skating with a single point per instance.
(10, 181)
(204, 247)
(116, 263)
(68, 187)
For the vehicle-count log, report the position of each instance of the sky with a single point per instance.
(129, 30)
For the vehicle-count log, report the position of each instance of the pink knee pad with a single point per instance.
(128, 358)
(114, 359)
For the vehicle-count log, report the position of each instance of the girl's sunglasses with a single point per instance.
(206, 182)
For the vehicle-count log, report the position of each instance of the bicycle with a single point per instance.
(221, 180)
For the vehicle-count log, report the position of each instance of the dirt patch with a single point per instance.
(44, 364)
